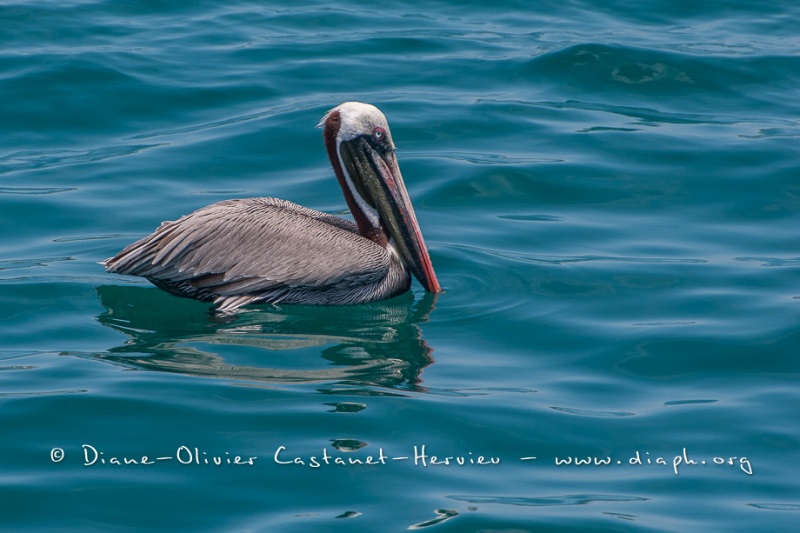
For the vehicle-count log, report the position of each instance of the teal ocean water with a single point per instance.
(610, 192)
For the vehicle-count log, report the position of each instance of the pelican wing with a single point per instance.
(237, 252)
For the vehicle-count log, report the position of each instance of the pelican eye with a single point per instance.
(379, 134)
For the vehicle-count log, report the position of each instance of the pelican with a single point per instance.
(267, 250)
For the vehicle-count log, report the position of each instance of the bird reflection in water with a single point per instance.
(378, 344)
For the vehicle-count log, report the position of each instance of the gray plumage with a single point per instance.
(239, 252)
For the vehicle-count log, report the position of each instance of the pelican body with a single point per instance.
(267, 250)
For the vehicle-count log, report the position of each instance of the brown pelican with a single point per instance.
(239, 252)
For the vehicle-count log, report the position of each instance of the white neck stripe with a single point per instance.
(370, 212)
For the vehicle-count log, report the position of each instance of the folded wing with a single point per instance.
(238, 252)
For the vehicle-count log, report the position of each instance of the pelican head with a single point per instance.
(361, 151)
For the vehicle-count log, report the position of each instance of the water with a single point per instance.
(610, 196)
